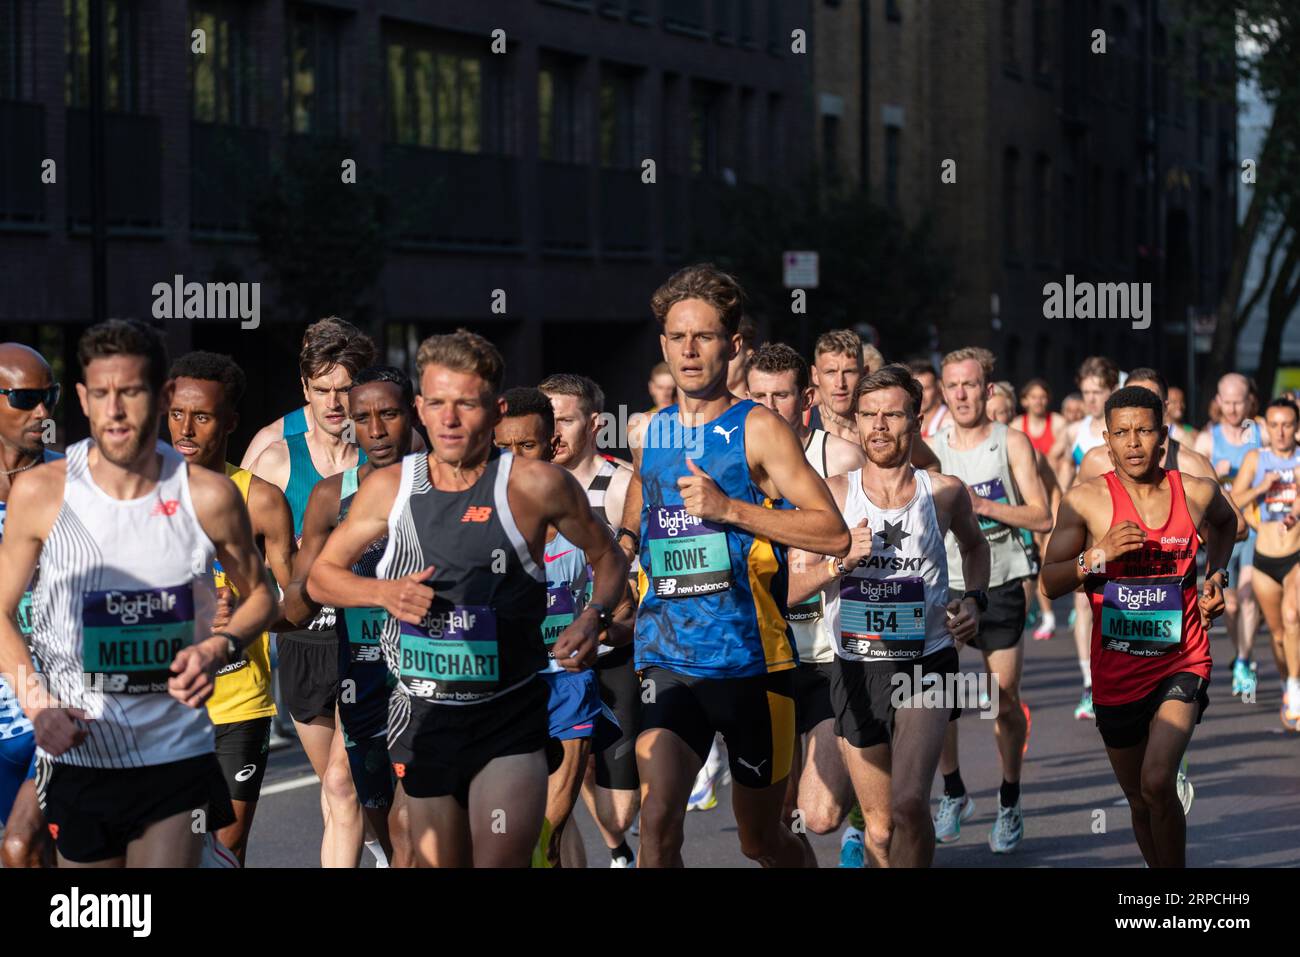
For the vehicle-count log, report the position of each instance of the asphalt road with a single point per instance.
(1245, 769)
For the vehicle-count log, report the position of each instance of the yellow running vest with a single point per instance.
(243, 690)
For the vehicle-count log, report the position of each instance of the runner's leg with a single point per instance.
(507, 801)
(667, 766)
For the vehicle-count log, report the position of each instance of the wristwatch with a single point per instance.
(981, 599)
(1219, 571)
(603, 616)
(840, 568)
(234, 647)
(636, 539)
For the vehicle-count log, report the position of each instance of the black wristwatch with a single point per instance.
(636, 539)
(234, 647)
(981, 599)
(603, 615)
(1219, 571)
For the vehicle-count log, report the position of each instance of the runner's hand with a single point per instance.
(1223, 467)
(408, 599)
(1268, 480)
(859, 545)
(963, 619)
(701, 495)
(194, 672)
(1123, 538)
(1211, 601)
(225, 604)
(59, 729)
(575, 649)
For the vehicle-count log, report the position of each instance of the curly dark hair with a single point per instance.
(125, 337)
(708, 283)
(212, 367)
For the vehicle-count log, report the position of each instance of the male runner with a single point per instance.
(662, 388)
(382, 406)
(528, 429)
(1098, 377)
(1226, 444)
(1265, 488)
(1129, 538)
(837, 367)
(28, 395)
(1072, 408)
(610, 787)
(714, 651)
(819, 786)
(462, 580)
(206, 389)
(999, 466)
(1176, 416)
(1035, 399)
(934, 414)
(125, 531)
(893, 619)
(333, 352)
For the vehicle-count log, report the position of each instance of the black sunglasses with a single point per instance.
(27, 399)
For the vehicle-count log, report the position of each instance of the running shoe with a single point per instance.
(1008, 830)
(1033, 616)
(1069, 622)
(852, 853)
(1249, 684)
(1047, 628)
(1290, 711)
(704, 797)
(1083, 710)
(1186, 793)
(623, 861)
(952, 812)
(1029, 725)
(1239, 670)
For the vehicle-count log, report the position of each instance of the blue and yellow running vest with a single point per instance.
(712, 596)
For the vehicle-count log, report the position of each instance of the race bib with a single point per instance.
(810, 609)
(363, 626)
(1141, 620)
(131, 636)
(688, 555)
(452, 655)
(994, 491)
(560, 612)
(883, 618)
(25, 614)
(1279, 499)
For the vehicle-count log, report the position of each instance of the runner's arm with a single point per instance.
(266, 435)
(1096, 461)
(811, 571)
(816, 524)
(273, 521)
(843, 456)
(923, 457)
(1061, 573)
(975, 558)
(1061, 455)
(273, 466)
(1191, 462)
(1242, 492)
(1218, 526)
(1033, 515)
(331, 580)
(29, 518)
(318, 520)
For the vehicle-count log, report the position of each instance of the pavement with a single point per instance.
(1245, 768)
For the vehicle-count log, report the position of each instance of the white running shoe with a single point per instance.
(1186, 793)
(952, 812)
(1008, 830)
(622, 862)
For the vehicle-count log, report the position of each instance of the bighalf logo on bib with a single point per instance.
(129, 609)
(675, 521)
(1137, 599)
(444, 624)
(133, 636)
(880, 590)
(1141, 620)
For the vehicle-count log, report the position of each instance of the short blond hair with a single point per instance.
(838, 342)
(986, 360)
(463, 351)
(872, 358)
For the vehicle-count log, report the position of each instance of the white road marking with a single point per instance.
(305, 781)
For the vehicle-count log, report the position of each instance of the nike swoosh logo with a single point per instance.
(556, 558)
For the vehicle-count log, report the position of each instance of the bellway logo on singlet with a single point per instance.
(132, 636)
(688, 554)
(456, 647)
(1141, 620)
(883, 619)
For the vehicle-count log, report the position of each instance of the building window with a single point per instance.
(892, 12)
(1043, 208)
(830, 147)
(442, 96)
(1042, 41)
(1011, 204)
(223, 78)
(1010, 55)
(684, 13)
(893, 160)
(557, 112)
(313, 72)
(10, 83)
(706, 132)
(619, 119)
(120, 48)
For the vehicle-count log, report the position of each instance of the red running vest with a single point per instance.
(1146, 624)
